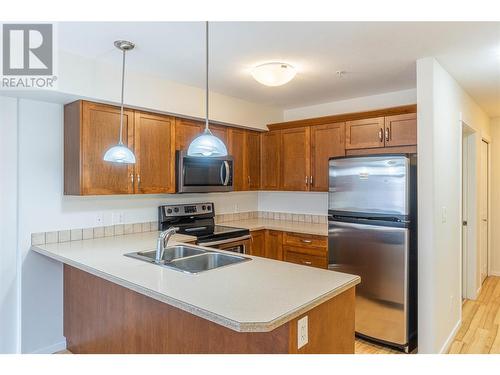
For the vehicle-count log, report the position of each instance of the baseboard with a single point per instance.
(57, 347)
(450, 338)
(494, 273)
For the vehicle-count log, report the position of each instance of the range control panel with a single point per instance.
(188, 209)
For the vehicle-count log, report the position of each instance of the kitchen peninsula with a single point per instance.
(116, 304)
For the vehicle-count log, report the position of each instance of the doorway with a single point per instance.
(484, 211)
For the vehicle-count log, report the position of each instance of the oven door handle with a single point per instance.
(227, 240)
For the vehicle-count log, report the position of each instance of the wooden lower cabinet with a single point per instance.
(101, 317)
(274, 245)
(258, 243)
(305, 249)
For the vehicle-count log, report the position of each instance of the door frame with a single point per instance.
(488, 205)
(470, 139)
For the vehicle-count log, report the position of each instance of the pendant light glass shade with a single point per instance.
(120, 153)
(207, 144)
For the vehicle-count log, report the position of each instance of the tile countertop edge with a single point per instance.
(205, 314)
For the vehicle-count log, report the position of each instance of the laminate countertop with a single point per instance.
(254, 296)
(319, 229)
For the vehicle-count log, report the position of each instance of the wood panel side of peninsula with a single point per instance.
(103, 317)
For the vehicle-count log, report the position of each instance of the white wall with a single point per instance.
(495, 197)
(86, 78)
(43, 207)
(9, 287)
(364, 103)
(442, 105)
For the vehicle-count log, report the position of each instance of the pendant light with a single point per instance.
(121, 153)
(207, 144)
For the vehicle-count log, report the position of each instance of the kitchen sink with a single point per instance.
(189, 259)
(170, 254)
(205, 262)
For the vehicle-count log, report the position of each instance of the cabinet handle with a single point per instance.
(138, 180)
(132, 178)
(380, 135)
(306, 181)
(387, 134)
(306, 241)
(307, 262)
(248, 180)
(311, 180)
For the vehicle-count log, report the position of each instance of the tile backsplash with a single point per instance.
(152, 226)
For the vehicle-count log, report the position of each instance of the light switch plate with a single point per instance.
(302, 332)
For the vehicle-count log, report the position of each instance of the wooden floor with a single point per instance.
(480, 332)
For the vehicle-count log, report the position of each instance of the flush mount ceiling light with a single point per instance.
(207, 144)
(121, 153)
(274, 73)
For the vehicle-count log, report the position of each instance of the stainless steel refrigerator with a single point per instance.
(372, 232)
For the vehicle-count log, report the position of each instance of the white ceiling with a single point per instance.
(377, 56)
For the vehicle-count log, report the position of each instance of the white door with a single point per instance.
(483, 202)
(465, 191)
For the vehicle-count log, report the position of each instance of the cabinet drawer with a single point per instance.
(305, 240)
(305, 259)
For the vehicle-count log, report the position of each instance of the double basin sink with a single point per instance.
(189, 259)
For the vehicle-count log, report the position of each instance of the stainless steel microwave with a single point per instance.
(197, 174)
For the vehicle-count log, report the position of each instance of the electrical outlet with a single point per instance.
(117, 218)
(302, 332)
(99, 219)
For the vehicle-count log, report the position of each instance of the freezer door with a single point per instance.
(379, 255)
(369, 184)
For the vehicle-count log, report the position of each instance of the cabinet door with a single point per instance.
(326, 141)
(185, 132)
(401, 130)
(258, 243)
(237, 149)
(220, 132)
(253, 159)
(274, 245)
(155, 153)
(100, 131)
(270, 160)
(295, 159)
(366, 133)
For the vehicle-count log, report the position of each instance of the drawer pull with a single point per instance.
(306, 241)
(307, 262)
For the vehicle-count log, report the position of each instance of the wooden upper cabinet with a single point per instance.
(155, 153)
(401, 130)
(366, 133)
(90, 129)
(253, 160)
(220, 132)
(237, 149)
(295, 159)
(270, 160)
(326, 141)
(185, 132)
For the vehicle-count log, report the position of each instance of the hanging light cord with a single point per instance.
(121, 108)
(206, 76)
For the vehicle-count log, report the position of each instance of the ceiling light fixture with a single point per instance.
(274, 73)
(207, 144)
(121, 153)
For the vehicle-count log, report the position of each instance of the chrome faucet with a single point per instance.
(163, 238)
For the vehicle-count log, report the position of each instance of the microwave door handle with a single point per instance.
(222, 173)
(226, 181)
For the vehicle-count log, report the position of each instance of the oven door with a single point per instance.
(239, 245)
(202, 175)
